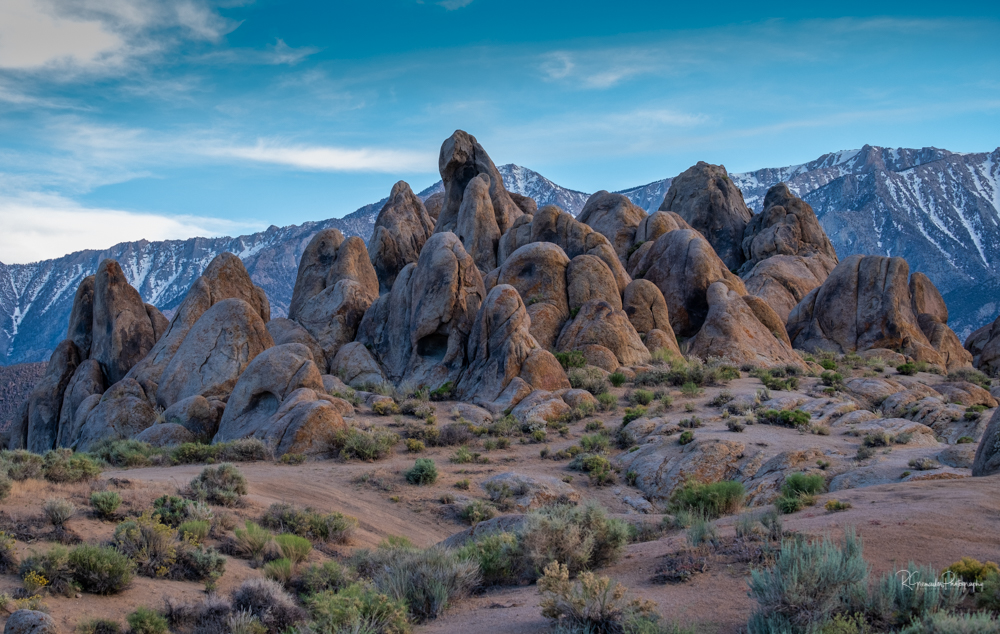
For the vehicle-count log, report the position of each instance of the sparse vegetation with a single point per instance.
(364, 444)
(424, 471)
(58, 510)
(223, 485)
(308, 523)
(571, 359)
(105, 503)
(709, 500)
(101, 569)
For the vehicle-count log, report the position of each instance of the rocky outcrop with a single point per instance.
(433, 205)
(538, 272)
(987, 460)
(932, 317)
(336, 284)
(646, 309)
(81, 317)
(215, 353)
(615, 217)
(529, 492)
(865, 303)
(30, 622)
(197, 414)
(419, 331)
(41, 427)
(165, 435)
(280, 400)
(401, 229)
(501, 349)
(554, 225)
(646, 234)
(355, 366)
(224, 278)
(733, 332)
(284, 331)
(122, 330)
(711, 203)
(587, 278)
(123, 412)
(462, 159)
(476, 225)
(600, 324)
(88, 380)
(786, 250)
(682, 264)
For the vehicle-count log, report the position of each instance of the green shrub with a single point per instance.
(588, 378)
(252, 541)
(424, 471)
(444, 392)
(5, 486)
(701, 531)
(58, 510)
(633, 413)
(427, 581)
(580, 537)
(280, 570)
(146, 621)
(365, 444)
(414, 446)
(907, 369)
(357, 608)
(571, 359)
(607, 401)
(617, 378)
(477, 511)
(599, 469)
(62, 465)
(240, 450)
(105, 503)
(595, 443)
(171, 509)
(101, 569)
(686, 437)
(293, 547)
(54, 566)
(836, 505)
(268, 601)
(223, 485)
(198, 563)
(895, 600)
(327, 527)
(98, 626)
(293, 458)
(972, 376)
(641, 397)
(498, 557)
(328, 576)
(464, 456)
(22, 465)
(709, 500)
(149, 543)
(125, 452)
(923, 464)
(876, 439)
(786, 418)
(944, 623)
(789, 504)
(195, 531)
(385, 407)
(809, 583)
(8, 555)
(592, 605)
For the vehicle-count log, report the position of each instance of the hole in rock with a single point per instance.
(433, 346)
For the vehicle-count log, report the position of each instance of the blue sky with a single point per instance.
(129, 119)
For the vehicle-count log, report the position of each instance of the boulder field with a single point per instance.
(478, 295)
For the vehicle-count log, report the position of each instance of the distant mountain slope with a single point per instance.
(35, 299)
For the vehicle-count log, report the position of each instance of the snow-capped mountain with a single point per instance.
(938, 209)
(35, 299)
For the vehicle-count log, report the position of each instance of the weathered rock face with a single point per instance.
(81, 318)
(865, 303)
(88, 379)
(46, 399)
(284, 331)
(215, 352)
(646, 309)
(336, 284)
(733, 332)
(600, 324)
(661, 469)
(418, 332)
(356, 367)
(532, 491)
(123, 412)
(122, 331)
(527, 204)
(224, 278)
(646, 234)
(554, 225)
(932, 317)
(158, 321)
(682, 264)
(461, 160)
(166, 435)
(987, 461)
(538, 272)
(401, 229)
(476, 224)
(433, 205)
(30, 622)
(786, 226)
(587, 278)
(926, 299)
(196, 414)
(280, 400)
(768, 318)
(711, 203)
(615, 217)
(787, 252)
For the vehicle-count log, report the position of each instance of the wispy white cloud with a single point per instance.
(451, 5)
(331, 159)
(39, 227)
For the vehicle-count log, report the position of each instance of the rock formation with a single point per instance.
(865, 303)
(786, 250)
(615, 217)
(476, 225)
(682, 264)
(122, 330)
(711, 203)
(418, 332)
(461, 160)
(987, 460)
(401, 229)
(538, 272)
(122, 412)
(600, 324)
(40, 429)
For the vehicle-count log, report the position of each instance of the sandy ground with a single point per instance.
(929, 522)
